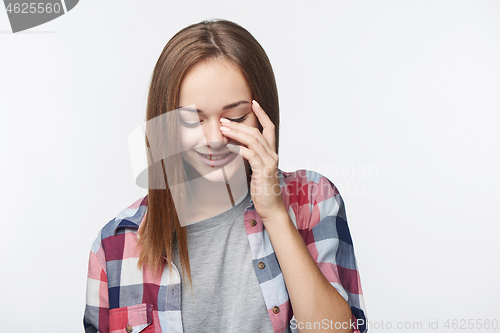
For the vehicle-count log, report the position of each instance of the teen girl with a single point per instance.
(224, 241)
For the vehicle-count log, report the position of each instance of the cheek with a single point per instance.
(190, 138)
(184, 140)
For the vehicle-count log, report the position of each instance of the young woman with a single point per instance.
(224, 241)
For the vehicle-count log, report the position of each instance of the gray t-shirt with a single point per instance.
(226, 295)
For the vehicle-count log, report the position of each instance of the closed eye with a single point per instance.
(239, 120)
(192, 125)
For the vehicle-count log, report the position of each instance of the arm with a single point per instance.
(321, 277)
(312, 296)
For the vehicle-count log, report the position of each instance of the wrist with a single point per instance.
(278, 216)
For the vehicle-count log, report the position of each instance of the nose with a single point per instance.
(213, 135)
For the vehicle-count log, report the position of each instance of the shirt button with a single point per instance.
(276, 309)
(261, 265)
(253, 223)
(129, 328)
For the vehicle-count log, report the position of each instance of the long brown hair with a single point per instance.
(219, 39)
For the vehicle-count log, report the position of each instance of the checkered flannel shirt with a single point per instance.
(123, 298)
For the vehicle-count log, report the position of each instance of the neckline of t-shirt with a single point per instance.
(241, 204)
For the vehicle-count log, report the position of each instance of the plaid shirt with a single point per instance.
(122, 298)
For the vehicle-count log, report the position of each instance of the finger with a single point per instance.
(252, 157)
(251, 141)
(268, 127)
(251, 131)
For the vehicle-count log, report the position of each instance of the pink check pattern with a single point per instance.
(123, 298)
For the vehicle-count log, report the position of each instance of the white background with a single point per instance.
(397, 102)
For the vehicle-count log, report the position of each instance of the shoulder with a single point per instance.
(305, 185)
(303, 177)
(128, 220)
(309, 197)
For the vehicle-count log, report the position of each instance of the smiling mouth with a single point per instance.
(214, 157)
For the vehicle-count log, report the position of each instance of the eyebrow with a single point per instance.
(229, 106)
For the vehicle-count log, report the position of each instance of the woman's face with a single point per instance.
(217, 89)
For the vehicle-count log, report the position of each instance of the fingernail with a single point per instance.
(255, 102)
(223, 128)
(232, 147)
(224, 120)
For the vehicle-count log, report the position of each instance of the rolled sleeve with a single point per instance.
(329, 241)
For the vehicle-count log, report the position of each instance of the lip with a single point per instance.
(217, 163)
(213, 154)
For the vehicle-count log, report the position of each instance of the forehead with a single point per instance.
(213, 83)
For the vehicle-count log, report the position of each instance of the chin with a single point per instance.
(216, 177)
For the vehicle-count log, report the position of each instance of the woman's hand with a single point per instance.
(261, 154)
